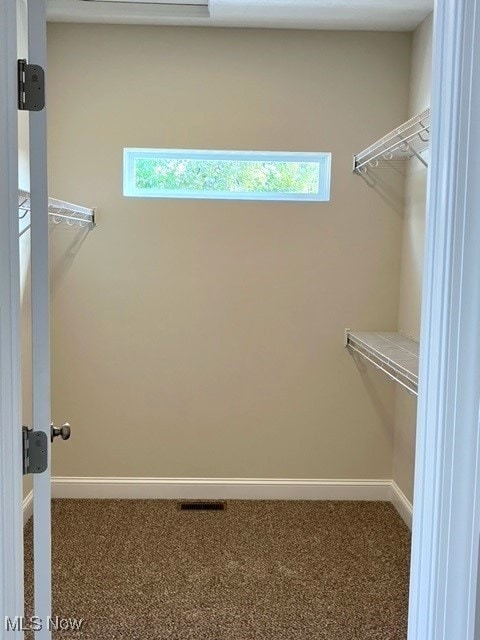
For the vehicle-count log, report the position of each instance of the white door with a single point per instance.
(40, 323)
(30, 19)
(11, 520)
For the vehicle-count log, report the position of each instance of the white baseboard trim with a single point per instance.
(227, 488)
(402, 504)
(221, 488)
(27, 507)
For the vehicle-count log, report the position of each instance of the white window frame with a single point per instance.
(323, 159)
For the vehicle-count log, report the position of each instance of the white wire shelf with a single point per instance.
(408, 140)
(59, 212)
(393, 353)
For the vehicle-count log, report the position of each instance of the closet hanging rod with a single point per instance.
(382, 369)
(59, 210)
(83, 221)
(391, 150)
(392, 353)
(408, 140)
(24, 230)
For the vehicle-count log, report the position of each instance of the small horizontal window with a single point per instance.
(229, 175)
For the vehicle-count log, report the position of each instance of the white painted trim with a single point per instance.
(27, 507)
(11, 533)
(40, 312)
(446, 522)
(227, 488)
(221, 488)
(313, 14)
(402, 504)
(232, 489)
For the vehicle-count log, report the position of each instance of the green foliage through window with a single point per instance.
(232, 175)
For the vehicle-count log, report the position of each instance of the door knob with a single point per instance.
(63, 431)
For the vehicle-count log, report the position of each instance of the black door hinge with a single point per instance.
(35, 451)
(31, 86)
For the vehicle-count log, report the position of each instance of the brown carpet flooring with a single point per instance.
(142, 569)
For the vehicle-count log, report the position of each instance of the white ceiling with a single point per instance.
(378, 15)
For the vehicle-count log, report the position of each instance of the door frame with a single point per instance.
(446, 522)
(11, 496)
(445, 537)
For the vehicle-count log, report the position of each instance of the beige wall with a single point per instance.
(205, 338)
(412, 259)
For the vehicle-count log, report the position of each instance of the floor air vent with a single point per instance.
(202, 506)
